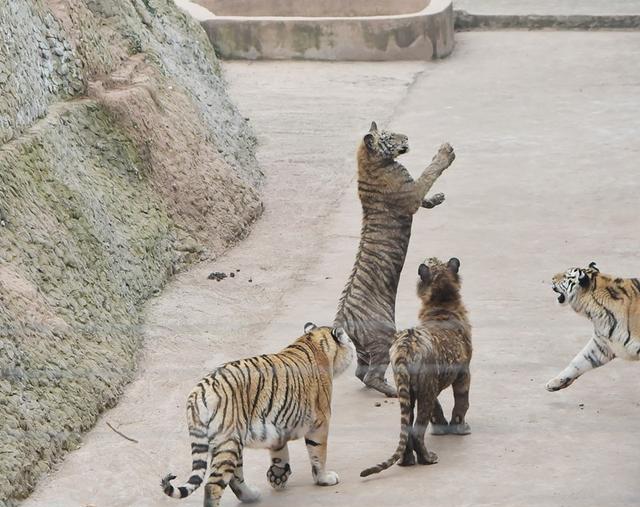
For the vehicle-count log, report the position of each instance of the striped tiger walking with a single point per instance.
(264, 402)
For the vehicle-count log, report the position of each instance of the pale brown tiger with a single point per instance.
(613, 307)
(429, 358)
(264, 402)
(389, 198)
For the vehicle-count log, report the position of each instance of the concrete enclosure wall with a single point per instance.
(421, 35)
(313, 8)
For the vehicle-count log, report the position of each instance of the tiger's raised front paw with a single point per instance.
(555, 384)
(279, 475)
(433, 201)
(445, 155)
(327, 479)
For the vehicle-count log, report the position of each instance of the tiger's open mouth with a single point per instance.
(403, 150)
(561, 296)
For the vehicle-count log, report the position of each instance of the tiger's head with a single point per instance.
(383, 145)
(334, 342)
(439, 282)
(574, 282)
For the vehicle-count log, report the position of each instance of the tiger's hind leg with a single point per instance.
(316, 441)
(408, 458)
(243, 492)
(362, 366)
(457, 425)
(224, 459)
(280, 470)
(439, 424)
(426, 403)
(377, 368)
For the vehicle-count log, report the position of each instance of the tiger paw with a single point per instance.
(244, 492)
(278, 475)
(429, 459)
(459, 429)
(445, 155)
(381, 386)
(327, 479)
(438, 429)
(558, 383)
(433, 201)
(408, 460)
(251, 495)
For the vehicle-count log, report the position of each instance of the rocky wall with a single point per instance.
(122, 160)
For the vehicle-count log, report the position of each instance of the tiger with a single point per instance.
(264, 402)
(389, 197)
(427, 359)
(612, 305)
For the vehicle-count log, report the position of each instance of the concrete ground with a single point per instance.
(546, 129)
(551, 7)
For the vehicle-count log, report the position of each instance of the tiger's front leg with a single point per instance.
(280, 470)
(316, 441)
(593, 355)
(441, 161)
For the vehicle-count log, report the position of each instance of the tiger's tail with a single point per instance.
(402, 378)
(197, 415)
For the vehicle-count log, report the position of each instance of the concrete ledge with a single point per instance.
(465, 21)
(422, 35)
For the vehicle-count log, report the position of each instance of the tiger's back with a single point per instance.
(265, 400)
(434, 350)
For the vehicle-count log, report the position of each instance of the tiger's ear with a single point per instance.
(424, 273)
(309, 326)
(368, 141)
(374, 127)
(340, 335)
(454, 264)
(584, 280)
(593, 266)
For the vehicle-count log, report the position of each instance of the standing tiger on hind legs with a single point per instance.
(389, 197)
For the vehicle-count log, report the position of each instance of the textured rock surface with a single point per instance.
(121, 160)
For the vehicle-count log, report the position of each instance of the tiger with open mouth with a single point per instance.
(612, 305)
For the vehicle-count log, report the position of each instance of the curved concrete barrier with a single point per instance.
(422, 35)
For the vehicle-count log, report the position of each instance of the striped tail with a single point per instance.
(199, 452)
(401, 375)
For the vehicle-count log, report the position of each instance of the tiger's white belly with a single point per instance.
(267, 436)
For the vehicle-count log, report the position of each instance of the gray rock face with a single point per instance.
(122, 159)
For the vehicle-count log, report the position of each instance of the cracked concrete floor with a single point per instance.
(546, 128)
